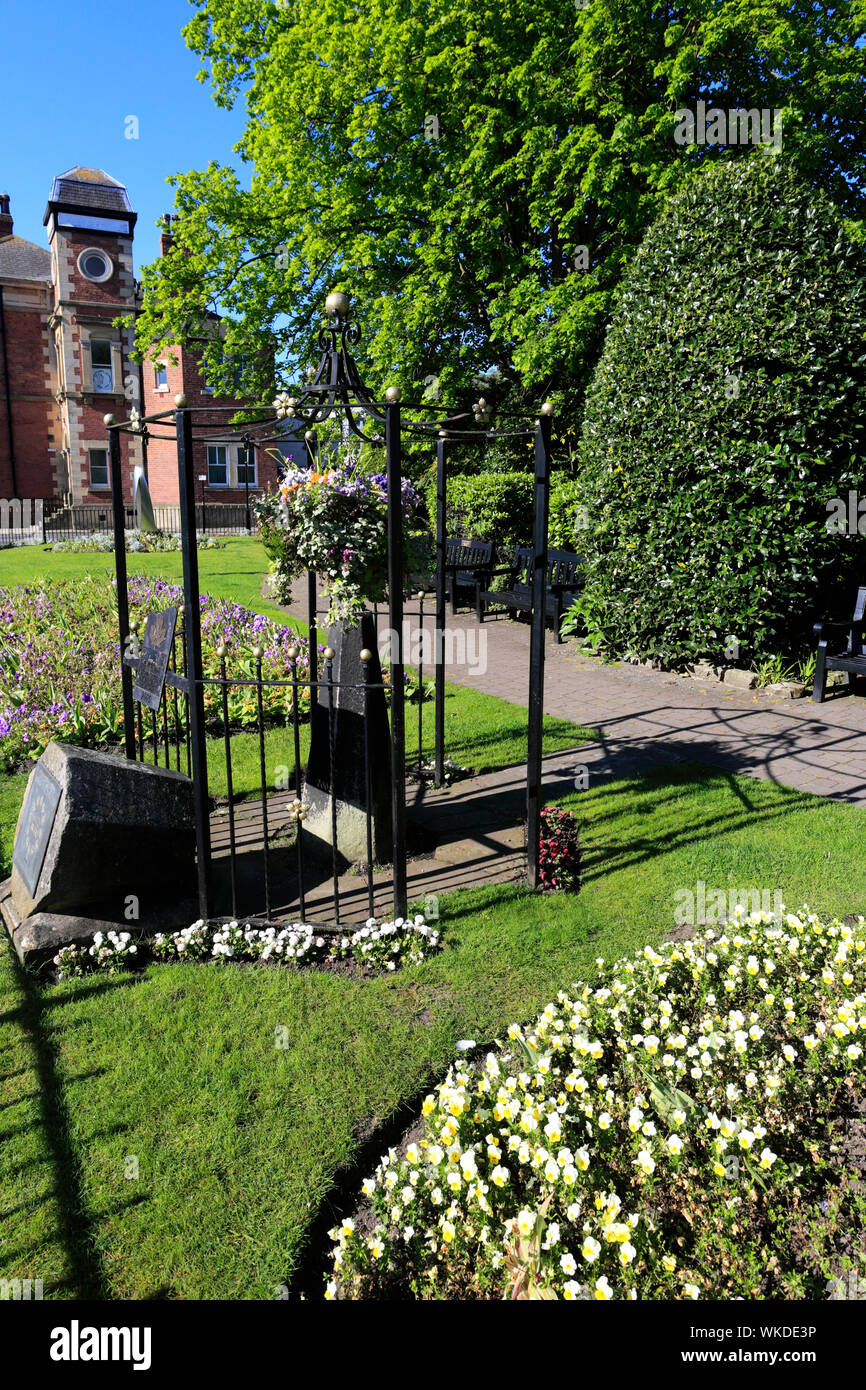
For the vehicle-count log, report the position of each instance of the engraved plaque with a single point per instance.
(153, 657)
(37, 819)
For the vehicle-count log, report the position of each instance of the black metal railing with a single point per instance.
(163, 738)
(65, 521)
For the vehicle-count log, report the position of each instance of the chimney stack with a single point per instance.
(5, 217)
(166, 240)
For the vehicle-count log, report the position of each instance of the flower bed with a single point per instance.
(670, 1132)
(559, 849)
(135, 542)
(60, 661)
(377, 946)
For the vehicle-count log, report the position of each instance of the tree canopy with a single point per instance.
(477, 175)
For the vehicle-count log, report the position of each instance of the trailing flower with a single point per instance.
(332, 522)
(646, 1137)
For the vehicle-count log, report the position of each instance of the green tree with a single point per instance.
(727, 412)
(477, 175)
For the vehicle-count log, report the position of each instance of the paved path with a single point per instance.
(643, 717)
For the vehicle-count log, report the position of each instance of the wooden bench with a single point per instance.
(564, 583)
(467, 564)
(852, 659)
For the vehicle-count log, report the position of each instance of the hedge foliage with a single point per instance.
(727, 411)
(498, 506)
(568, 521)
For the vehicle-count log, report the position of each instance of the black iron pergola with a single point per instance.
(336, 390)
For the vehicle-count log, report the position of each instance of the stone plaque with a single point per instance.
(37, 820)
(99, 840)
(153, 657)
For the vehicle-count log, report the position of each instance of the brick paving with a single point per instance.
(465, 836)
(644, 717)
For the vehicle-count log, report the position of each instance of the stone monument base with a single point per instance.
(101, 844)
(37, 939)
(349, 750)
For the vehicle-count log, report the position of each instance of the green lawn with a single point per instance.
(236, 1141)
(234, 572)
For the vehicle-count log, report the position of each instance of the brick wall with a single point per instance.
(184, 377)
(33, 409)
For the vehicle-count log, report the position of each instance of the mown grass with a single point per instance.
(234, 572)
(237, 1141)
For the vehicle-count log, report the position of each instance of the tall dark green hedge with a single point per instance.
(727, 411)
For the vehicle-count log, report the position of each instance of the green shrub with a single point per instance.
(568, 522)
(498, 507)
(727, 411)
(489, 506)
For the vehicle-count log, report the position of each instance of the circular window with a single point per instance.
(95, 264)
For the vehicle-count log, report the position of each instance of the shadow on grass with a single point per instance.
(696, 824)
(86, 1277)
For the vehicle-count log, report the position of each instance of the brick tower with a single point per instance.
(90, 225)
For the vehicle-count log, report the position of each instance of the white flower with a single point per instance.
(526, 1222)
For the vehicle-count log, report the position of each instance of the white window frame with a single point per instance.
(239, 463)
(216, 448)
(96, 251)
(91, 483)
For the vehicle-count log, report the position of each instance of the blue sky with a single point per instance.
(71, 76)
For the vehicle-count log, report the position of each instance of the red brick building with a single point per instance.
(64, 366)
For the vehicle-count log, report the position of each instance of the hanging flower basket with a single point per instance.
(335, 523)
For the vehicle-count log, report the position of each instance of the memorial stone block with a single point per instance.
(349, 785)
(100, 842)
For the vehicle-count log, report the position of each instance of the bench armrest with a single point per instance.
(851, 626)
